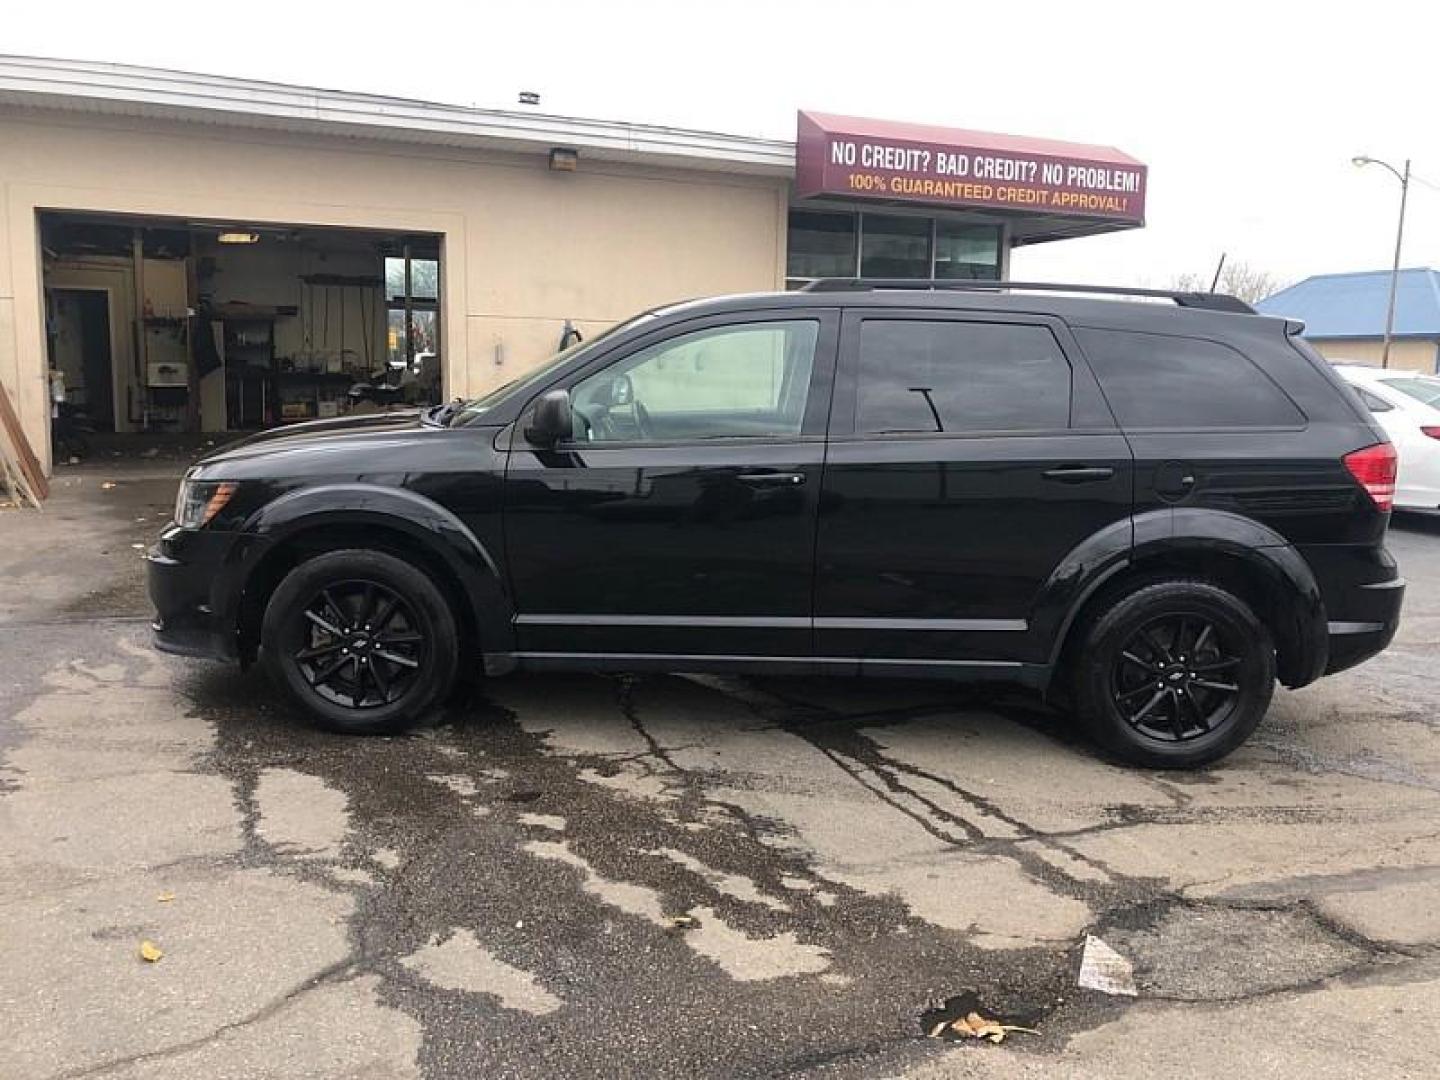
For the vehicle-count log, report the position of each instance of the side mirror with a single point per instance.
(552, 422)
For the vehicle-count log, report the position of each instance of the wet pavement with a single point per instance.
(681, 876)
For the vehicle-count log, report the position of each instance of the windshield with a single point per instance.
(475, 408)
(1422, 388)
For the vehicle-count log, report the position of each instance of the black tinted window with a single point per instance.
(1159, 381)
(956, 376)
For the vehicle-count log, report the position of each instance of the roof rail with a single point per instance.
(1203, 300)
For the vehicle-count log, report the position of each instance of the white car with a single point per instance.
(1407, 406)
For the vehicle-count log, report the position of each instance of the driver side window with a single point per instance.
(747, 380)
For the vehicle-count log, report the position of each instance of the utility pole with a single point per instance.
(1404, 178)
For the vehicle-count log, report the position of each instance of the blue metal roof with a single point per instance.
(1353, 305)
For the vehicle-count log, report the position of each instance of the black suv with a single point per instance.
(1148, 511)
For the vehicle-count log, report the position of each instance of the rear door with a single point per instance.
(969, 455)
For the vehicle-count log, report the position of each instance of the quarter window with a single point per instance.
(1157, 381)
(930, 376)
(725, 382)
(1373, 402)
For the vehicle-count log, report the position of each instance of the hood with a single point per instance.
(342, 444)
(295, 435)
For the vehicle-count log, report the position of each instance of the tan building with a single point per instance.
(185, 252)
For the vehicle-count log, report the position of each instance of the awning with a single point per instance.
(1048, 189)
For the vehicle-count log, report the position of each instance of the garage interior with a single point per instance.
(164, 325)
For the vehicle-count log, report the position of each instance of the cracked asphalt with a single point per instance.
(680, 876)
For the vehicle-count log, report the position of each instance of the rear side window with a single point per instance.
(1422, 388)
(1373, 403)
(1159, 381)
(920, 376)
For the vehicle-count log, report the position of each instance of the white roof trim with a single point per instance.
(150, 92)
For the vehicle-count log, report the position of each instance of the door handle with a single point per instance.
(772, 479)
(1079, 474)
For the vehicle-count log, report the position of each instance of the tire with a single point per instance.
(363, 641)
(1145, 704)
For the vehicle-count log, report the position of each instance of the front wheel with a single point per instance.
(1175, 675)
(362, 640)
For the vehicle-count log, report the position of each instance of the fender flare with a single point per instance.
(1298, 620)
(442, 536)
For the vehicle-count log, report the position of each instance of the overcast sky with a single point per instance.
(1247, 113)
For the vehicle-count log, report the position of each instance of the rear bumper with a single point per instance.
(182, 575)
(1356, 640)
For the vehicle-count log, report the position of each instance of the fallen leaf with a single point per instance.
(975, 1026)
(150, 952)
(165, 897)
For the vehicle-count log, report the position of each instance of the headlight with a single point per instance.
(198, 501)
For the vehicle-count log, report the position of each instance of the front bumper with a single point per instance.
(1375, 618)
(183, 575)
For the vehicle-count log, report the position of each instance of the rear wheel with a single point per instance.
(1176, 674)
(362, 640)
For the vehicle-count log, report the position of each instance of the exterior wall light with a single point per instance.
(562, 160)
(239, 238)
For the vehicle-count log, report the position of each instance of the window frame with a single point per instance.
(1088, 412)
(817, 401)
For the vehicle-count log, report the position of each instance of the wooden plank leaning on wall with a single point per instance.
(15, 448)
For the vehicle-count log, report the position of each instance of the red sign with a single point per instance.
(851, 157)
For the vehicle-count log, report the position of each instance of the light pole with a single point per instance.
(1404, 178)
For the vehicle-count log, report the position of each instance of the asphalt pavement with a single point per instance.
(681, 876)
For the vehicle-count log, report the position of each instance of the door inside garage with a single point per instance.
(174, 325)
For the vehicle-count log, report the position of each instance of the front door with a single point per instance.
(969, 456)
(680, 519)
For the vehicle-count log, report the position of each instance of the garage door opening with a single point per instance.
(166, 325)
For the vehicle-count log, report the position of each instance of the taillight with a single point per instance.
(1433, 432)
(1374, 469)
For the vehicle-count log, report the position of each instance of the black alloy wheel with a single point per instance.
(363, 646)
(1172, 680)
(363, 640)
(1175, 673)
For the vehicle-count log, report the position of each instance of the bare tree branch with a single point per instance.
(1237, 278)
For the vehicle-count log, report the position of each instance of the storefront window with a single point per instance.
(821, 245)
(967, 251)
(424, 279)
(844, 244)
(895, 247)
